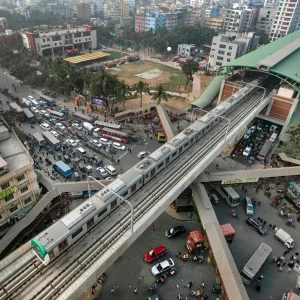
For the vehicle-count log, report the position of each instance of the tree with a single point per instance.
(189, 68)
(160, 94)
(292, 148)
(123, 91)
(140, 88)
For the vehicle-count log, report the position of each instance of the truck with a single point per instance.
(30, 117)
(51, 140)
(284, 238)
(63, 169)
(88, 126)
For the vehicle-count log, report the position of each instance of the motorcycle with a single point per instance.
(198, 259)
(161, 278)
(291, 222)
(31, 126)
(234, 213)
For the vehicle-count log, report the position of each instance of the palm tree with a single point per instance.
(160, 94)
(123, 91)
(140, 88)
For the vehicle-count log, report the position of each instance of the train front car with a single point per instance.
(40, 251)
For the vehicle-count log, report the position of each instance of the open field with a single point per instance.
(173, 79)
(113, 55)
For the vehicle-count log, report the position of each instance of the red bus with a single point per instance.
(21, 117)
(115, 135)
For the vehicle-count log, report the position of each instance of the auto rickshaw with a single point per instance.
(216, 289)
(67, 159)
(82, 168)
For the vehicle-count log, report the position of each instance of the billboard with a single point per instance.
(99, 102)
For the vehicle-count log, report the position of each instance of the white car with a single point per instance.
(34, 109)
(119, 146)
(30, 98)
(163, 267)
(143, 154)
(105, 141)
(73, 143)
(247, 151)
(77, 126)
(109, 178)
(96, 143)
(45, 126)
(60, 126)
(24, 100)
(102, 172)
(55, 133)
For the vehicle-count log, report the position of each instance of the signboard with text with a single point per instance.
(8, 192)
(99, 102)
(235, 181)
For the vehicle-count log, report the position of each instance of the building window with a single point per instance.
(24, 189)
(230, 47)
(44, 40)
(27, 200)
(222, 46)
(229, 53)
(13, 208)
(21, 177)
(9, 197)
(228, 59)
(221, 52)
(220, 57)
(5, 186)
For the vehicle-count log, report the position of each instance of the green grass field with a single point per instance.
(113, 55)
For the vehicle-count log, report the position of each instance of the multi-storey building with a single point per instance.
(85, 10)
(131, 4)
(149, 22)
(265, 19)
(61, 10)
(286, 18)
(32, 2)
(229, 46)
(215, 23)
(186, 50)
(3, 23)
(270, 3)
(19, 189)
(212, 12)
(58, 41)
(196, 3)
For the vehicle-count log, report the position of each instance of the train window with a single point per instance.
(102, 212)
(125, 194)
(167, 160)
(90, 223)
(140, 181)
(186, 144)
(133, 188)
(146, 176)
(63, 245)
(113, 204)
(160, 165)
(174, 154)
(77, 232)
(192, 139)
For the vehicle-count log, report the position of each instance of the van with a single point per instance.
(97, 132)
(247, 134)
(249, 210)
(110, 170)
(81, 151)
(76, 176)
(214, 199)
(273, 137)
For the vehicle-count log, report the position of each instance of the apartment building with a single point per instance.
(215, 23)
(85, 10)
(131, 4)
(61, 10)
(265, 19)
(186, 50)
(3, 23)
(212, 12)
(286, 18)
(19, 189)
(149, 21)
(270, 3)
(229, 46)
(55, 42)
(196, 3)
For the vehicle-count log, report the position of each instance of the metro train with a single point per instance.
(50, 243)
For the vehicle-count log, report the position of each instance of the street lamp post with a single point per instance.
(126, 201)
(259, 87)
(192, 118)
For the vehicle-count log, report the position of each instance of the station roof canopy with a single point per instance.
(85, 58)
(280, 57)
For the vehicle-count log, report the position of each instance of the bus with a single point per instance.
(51, 140)
(255, 263)
(49, 100)
(38, 139)
(264, 150)
(56, 114)
(29, 115)
(83, 117)
(107, 125)
(115, 135)
(21, 117)
(231, 197)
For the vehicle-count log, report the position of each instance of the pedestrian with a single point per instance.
(112, 290)
(190, 284)
(203, 284)
(20, 124)
(127, 149)
(280, 269)
(135, 290)
(260, 277)
(245, 190)
(286, 251)
(289, 270)
(121, 169)
(152, 226)
(258, 286)
(65, 179)
(118, 160)
(242, 188)
(217, 166)
(47, 154)
(130, 150)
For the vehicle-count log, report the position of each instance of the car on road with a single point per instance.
(71, 130)
(77, 126)
(175, 231)
(257, 225)
(55, 133)
(65, 123)
(155, 254)
(60, 126)
(81, 136)
(105, 141)
(119, 146)
(73, 143)
(163, 267)
(24, 100)
(96, 143)
(45, 126)
(97, 159)
(143, 154)
(247, 151)
(34, 109)
(102, 172)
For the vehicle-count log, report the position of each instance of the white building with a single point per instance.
(286, 18)
(196, 3)
(270, 3)
(265, 19)
(19, 189)
(185, 50)
(229, 46)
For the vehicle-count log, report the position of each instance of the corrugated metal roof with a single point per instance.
(285, 67)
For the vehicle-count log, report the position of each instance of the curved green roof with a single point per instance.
(285, 62)
(42, 250)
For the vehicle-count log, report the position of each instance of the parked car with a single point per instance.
(247, 151)
(73, 143)
(60, 126)
(155, 254)
(176, 231)
(65, 123)
(97, 159)
(96, 143)
(81, 136)
(45, 126)
(143, 154)
(102, 172)
(119, 146)
(34, 109)
(77, 126)
(163, 267)
(55, 133)
(257, 225)
(71, 130)
(105, 141)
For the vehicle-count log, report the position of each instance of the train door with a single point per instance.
(180, 150)
(167, 160)
(61, 247)
(153, 172)
(113, 205)
(90, 223)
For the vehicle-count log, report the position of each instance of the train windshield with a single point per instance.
(39, 250)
